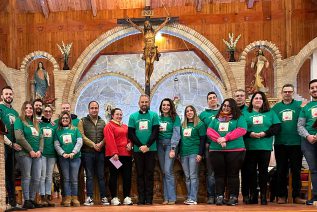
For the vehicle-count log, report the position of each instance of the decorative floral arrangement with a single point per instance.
(65, 49)
(231, 45)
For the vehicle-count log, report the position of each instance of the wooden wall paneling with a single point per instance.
(4, 5)
(303, 79)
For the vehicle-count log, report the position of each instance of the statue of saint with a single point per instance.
(150, 52)
(108, 108)
(258, 63)
(41, 81)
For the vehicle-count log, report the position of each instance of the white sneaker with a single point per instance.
(89, 201)
(127, 201)
(104, 201)
(115, 201)
(190, 202)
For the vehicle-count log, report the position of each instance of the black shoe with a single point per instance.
(311, 201)
(141, 202)
(36, 205)
(219, 200)
(233, 200)
(246, 199)
(263, 201)
(253, 200)
(28, 204)
(149, 203)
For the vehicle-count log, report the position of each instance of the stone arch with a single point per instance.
(33, 56)
(177, 30)
(3, 73)
(273, 49)
(121, 75)
(180, 71)
(302, 56)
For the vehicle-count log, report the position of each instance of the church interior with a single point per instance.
(89, 51)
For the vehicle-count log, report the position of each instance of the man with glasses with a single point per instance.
(287, 146)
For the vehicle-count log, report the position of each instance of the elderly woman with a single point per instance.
(29, 137)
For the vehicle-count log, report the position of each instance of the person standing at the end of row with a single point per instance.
(307, 129)
(143, 132)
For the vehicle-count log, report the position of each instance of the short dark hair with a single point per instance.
(114, 110)
(235, 110)
(288, 85)
(311, 82)
(265, 107)
(37, 100)
(211, 92)
(93, 101)
(6, 87)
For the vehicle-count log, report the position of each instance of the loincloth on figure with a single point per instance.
(150, 52)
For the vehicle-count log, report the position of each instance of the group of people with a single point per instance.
(228, 137)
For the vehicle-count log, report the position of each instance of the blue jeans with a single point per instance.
(210, 175)
(190, 167)
(47, 175)
(70, 168)
(94, 162)
(310, 152)
(30, 175)
(167, 165)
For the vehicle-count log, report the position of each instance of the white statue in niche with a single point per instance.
(108, 108)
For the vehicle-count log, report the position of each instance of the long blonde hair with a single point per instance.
(24, 118)
(196, 119)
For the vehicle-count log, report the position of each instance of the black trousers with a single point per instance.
(257, 159)
(125, 170)
(9, 175)
(145, 164)
(288, 157)
(226, 166)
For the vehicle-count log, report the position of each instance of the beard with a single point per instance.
(8, 100)
(38, 111)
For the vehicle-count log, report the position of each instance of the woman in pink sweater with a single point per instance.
(118, 148)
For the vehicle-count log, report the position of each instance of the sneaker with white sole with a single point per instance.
(115, 201)
(190, 202)
(127, 201)
(104, 201)
(89, 201)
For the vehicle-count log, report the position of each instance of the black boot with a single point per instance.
(28, 204)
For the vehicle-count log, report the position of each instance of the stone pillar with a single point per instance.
(313, 65)
(2, 174)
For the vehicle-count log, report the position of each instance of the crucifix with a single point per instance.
(150, 51)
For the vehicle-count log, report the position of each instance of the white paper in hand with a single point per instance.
(116, 163)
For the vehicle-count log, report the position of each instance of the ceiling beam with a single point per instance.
(93, 7)
(44, 7)
(250, 3)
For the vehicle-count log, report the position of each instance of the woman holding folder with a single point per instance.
(118, 151)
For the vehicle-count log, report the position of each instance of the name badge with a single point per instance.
(12, 119)
(34, 131)
(258, 120)
(163, 126)
(143, 125)
(67, 139)
(287, 116)
(187, 132)
(223, 127)
(47, 133)
(314, 112)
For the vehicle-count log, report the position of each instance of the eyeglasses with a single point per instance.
(225, 105)
(65, 118)
(47, 111)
